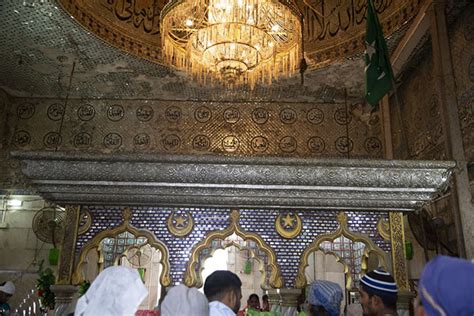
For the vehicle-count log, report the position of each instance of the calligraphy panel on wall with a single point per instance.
(191, 127)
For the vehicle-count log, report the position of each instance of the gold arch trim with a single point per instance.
(341, 231)
(165, 279)
(193, 279)
(383, 227)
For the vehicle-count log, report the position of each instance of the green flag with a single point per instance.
(378, 71)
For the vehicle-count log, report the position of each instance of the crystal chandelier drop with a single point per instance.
(235, 42)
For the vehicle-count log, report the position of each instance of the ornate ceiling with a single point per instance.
(103, 49)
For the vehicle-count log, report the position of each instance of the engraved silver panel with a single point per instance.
(235, 181)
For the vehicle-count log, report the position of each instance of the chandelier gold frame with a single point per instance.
(234, 42)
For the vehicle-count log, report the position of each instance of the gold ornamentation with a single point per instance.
(331, 29)
(291, 226)
(193, 278)
(397, 238)
(342, 230)
(383, 227)
(180, 225)
(68, 245)
(234, 42)
(165, 279)
(86, 217)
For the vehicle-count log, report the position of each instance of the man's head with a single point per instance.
(7, 289)
(324, 298)
(378, 293)
(224, 286)
(253, 301)
(446, 288)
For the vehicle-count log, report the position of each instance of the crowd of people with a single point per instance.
(446, 288)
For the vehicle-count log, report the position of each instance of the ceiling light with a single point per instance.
(234, 42)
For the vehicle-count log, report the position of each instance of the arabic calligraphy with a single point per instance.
(288, 144)
(82, 140)
(52, 139)
(112, 140)
(201, 142)
(21, 138)
(25, 111)
(327, 18)
(171, 142)
(142, 14)
(259, 144)
(230, 143)
(55, 111)
(141, 141)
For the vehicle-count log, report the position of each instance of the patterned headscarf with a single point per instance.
(447, 287)
(326, 294)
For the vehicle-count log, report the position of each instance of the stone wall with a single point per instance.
(462, 51)
(21, 252)
(418, 132)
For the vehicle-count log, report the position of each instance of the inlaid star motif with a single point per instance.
(370, 50)
(180, 220)
(288, 221)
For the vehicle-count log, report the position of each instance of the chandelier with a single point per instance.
(235, 42)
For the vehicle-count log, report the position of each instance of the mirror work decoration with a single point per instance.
(124, 240)
(351, 249)
(233, 235)
(288, 225)
(180, 225)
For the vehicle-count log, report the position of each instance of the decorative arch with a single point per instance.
(192, 277)
(341, 231)
(165, 279)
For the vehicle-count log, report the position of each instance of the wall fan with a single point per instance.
(48, 224)
(139, 256)
(418, 223)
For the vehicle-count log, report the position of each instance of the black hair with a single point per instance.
(264, 297)
(253, 295)
(219, 282)
(316, 310)
(388, 299)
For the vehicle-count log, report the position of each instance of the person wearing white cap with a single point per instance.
(378, 293)
(182, 300)
(7, 289)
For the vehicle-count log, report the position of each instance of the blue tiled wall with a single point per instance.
(260, 221)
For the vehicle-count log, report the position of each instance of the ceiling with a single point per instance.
(45, 52)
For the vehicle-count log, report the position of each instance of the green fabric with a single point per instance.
(252, 312)
(378, 71)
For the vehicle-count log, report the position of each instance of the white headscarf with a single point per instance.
(117, 291)
(182, 300)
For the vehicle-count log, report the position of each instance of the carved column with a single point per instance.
(63, 289)
(289, 301)
(399, 263)
(274, 300)
(463, 208)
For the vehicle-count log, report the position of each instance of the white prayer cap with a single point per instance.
(117, 291)
(182, 300)
(8, 288)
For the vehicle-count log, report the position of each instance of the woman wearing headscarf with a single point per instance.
(117, 291)
(324, 298)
